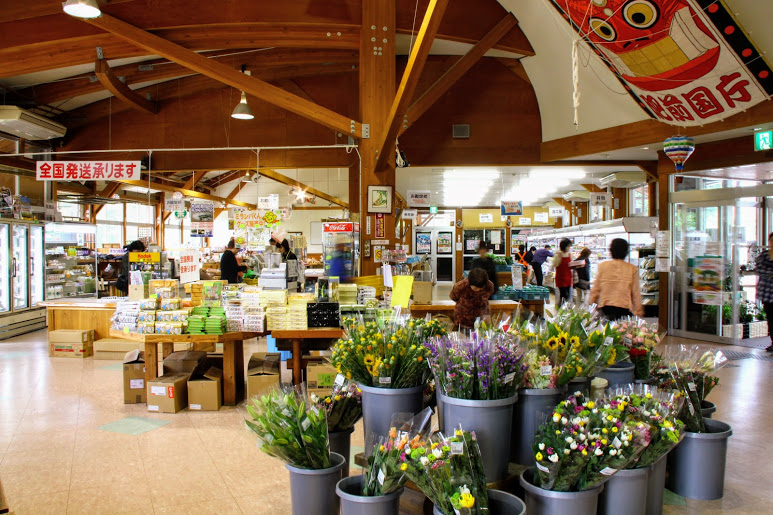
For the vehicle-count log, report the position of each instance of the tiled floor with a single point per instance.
(56, 460)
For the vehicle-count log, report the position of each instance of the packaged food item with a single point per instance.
(150, 304)
(146, 327)
(146, 316)
(170, 304)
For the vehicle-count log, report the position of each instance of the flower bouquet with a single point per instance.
(449, 471)
(385, 353)
(290, 428)
(659, 410)
(640, 338)
(469, 368)
(343, 407)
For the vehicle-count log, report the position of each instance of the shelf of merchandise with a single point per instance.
(649, 287)
(71, 261)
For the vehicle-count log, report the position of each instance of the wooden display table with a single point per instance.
(298, 341)
(80, 314)
(503, 307)
(233, 356)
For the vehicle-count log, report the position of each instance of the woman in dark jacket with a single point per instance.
(229, 267)
(285, 250)
(122, 282)
(486, 263)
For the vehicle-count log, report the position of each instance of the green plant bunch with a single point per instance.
(385, 353)
(290, 428)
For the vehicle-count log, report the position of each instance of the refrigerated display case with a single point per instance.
(472, 238)
(21, 277)
(341, 248)
(71, 260)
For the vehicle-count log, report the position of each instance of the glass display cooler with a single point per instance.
(341, 248)
(21, 277)
(71, 260)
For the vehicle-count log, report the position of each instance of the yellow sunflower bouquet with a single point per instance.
(385, 353)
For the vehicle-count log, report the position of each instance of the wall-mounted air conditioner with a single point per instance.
(25, 124)
(624, 180)
(577, 196)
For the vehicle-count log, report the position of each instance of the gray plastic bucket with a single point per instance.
(579, 384)
(532, 402)
(618, 374)
(354, 503)
(314, 491)
(492, 422)
(697, 465)
(499, 503)
(708, 409)
(625, 492)
(548, 502)
(656, 486)
(379, 404)
(340, 442)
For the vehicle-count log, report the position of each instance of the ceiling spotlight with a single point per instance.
(242, 110)
(82, 8)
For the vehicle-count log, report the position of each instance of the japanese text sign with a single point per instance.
(417, 198)
(87, 170)
(189, 266)
(511, 208)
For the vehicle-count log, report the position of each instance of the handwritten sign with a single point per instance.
(87, 170)
(418, 198)
(189, 266)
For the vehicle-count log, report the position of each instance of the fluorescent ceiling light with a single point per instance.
(242, 110)
(82, 8)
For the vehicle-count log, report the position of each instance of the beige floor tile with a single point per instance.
(275, 502)
(35, 422)
(170, 440)
(54, 503)
(244, 482)
(116, 498)
(178, 480)
(215, 507)
(24, 479)
(105, 468)
(40, 448)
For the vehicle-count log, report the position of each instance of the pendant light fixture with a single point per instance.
(242, 110)
(82, 8)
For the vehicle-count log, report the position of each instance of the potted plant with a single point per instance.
(294, 430)
(343, 408)
(388, 360)
(477, 382)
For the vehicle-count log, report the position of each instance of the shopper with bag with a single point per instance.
(561, 261)
(616, 288)
(581, 272)
(539, 258)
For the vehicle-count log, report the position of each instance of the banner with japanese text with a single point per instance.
(87, 170)
(686, 62)
(202, 218)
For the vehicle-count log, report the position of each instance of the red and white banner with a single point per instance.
(88, 170)
(686, 62)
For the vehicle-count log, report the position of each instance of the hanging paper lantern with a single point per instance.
(679, 149)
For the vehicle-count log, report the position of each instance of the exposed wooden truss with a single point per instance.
(190, 193)
(113, 84)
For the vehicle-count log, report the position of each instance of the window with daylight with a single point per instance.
(640, 201)
(111, 213)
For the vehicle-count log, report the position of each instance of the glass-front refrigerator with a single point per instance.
(20, 267)
(5, 268)
(340, 248)
(71, 260)
(37, 266)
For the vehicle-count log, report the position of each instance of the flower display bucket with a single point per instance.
(354, 503)
(500, 503)
(492, 422)
(379, 404)
(656, 487)
(618, 374)
(625, 492)
(340, 442)
(579, 384)
(314, 491)
(527, 413)
(708, 409)
(697, 465)
(547, 502)
(651, 381)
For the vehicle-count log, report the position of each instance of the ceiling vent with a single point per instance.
(577, 196)
(28, 125)
(460, 131)
(624, 180)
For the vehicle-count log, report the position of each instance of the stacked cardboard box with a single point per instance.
(169, 393)
(263, 372)
(422, 292)
(71, 343)
(205, 389)
(134, 377)
(113, 348)
(320, 378)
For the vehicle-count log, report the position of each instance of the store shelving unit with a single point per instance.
(649, 281)
(71, 261)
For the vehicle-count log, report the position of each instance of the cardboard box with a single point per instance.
(70, 350)
(422, 292)
(114, 348)
(168, 393)
(204, 391)
(138, 291)
(320, 378)
(263, 373)
(71, 336)
(183, 362)
(134, 377)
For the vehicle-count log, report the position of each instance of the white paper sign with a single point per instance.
(189, 266)
(486, 218)
(269, 203)
(524, 220)
(662, 243)
(174, 204)
(541, 218)
(600, 199)
(418, 198)
(556, 212)
(87, 170)
(661, 265)
(496, 237)
(410, 214)
(386, 271)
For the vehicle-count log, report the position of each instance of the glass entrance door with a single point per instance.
(5, 268)
(20, 270)
(438, 246)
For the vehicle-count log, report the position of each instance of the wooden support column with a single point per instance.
(652, 198)
(377, 92)
(354, 189)
(664, 168)
(621, 196)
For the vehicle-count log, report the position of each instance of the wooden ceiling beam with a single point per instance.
(108, 191)
(227, 177)
(407, 88)
(74, 187)
(278, 177)
(230, 76)
(112, 83)
(190, 193)
(593, 188)
(191, 183)
(462, 66)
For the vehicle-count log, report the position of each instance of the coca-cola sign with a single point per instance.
(337, 226)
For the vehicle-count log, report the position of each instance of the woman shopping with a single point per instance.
(582, 277)
(765, 285)
(561, 261)
(616, 288)
(471, 296)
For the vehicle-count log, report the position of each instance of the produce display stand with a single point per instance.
(300, 340)
(504, 307)
(233, 356)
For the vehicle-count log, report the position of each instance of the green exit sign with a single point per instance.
(763, 140)
(433, 209)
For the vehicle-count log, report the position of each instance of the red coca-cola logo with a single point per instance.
(338, 227)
